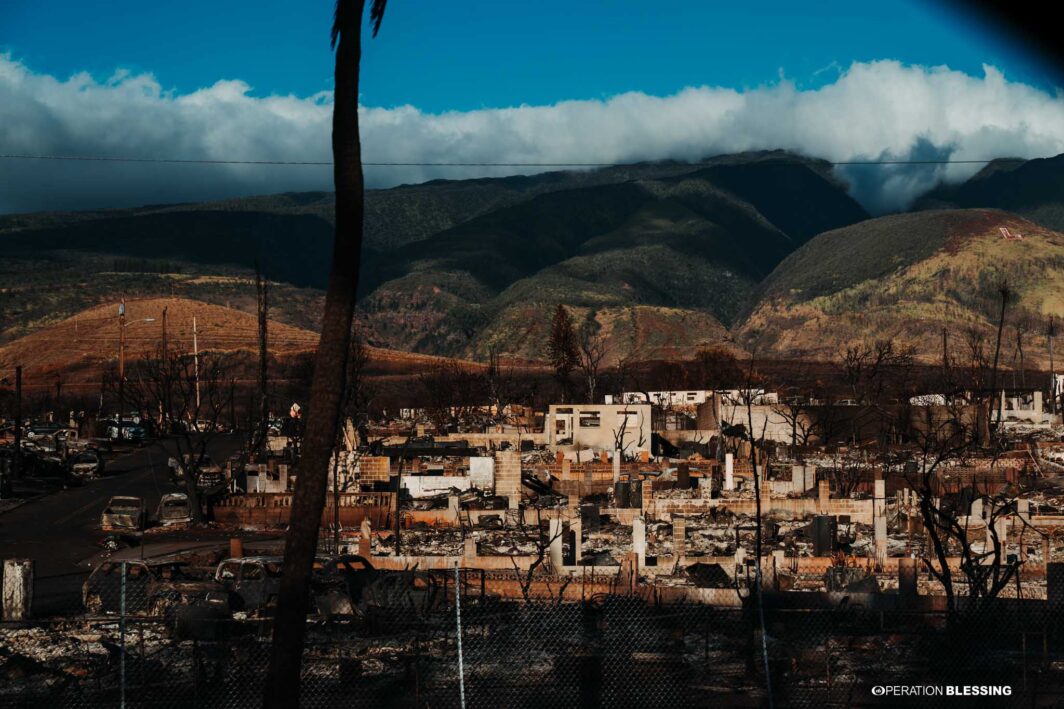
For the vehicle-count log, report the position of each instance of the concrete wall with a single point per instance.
(271, 511)
(768, 419)
(858, 510)
(598, 427)
(508, 476)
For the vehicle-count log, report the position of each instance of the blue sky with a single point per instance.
(441, 55)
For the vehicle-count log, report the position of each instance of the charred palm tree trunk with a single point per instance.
(330, 365)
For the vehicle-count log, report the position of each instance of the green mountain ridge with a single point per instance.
(661, 258)
(697, 241)
(909, 277)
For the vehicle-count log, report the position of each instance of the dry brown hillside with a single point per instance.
(79, 348)
(909, 277)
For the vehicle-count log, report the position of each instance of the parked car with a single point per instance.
(152, 588)
(211, 478)
(50, 430)
(173, 509)
(126, 431)
(88, 464)
(48, 468)
(123, 514)
(253, 583)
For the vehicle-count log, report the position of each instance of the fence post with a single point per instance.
(122, 641)
(458, 623)
(196, 671)
(17, 603)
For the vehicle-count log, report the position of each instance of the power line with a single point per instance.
(197, 161)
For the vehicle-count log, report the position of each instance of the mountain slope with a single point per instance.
(83, 346)
(54, 265)
(1031, 188)
(694, 244)
(907, 277)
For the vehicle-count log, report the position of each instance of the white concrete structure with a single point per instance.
(599, 427)
(639, 541)
(879, 516)
(770, 420)
(691, 397)
(482, 472)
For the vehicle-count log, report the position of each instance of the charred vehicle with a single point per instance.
(211, 478)
(87, 465)
(152, 588)
(123, 514)
(174, 509)
(337, 583)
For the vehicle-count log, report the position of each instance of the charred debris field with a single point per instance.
(700, 434)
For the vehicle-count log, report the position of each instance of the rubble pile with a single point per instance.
(38, 658)
(422, 540)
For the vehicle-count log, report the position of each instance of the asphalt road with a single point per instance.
(61, 531)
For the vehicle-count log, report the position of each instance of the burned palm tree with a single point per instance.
(330, 364)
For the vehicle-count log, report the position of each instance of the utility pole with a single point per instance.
(232, 404)
(945, 354)
(1051, 331)
(16, 469)
(336, 500)
(262, 294)
(121, 363)
(164, 330)
(195, 361)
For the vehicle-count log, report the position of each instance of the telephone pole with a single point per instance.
(262, 295)
(164, 330)
(16, 468)
(195, 361)
(121, 362)
(1051, 332)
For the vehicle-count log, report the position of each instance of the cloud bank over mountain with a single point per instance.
(879, 110)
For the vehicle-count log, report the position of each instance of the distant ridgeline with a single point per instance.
(135, 265)
(758, 251)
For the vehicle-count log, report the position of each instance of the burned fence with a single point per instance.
(608, 651)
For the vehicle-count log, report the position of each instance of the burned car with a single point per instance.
(88, 464)
(211, 478)
(152, 588)
(253, 583)
(174, 508)
(123, 514)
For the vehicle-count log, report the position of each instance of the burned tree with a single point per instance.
(189, 402)
(620, 433)
(945, 436)
(847, 470)
(714, 369)
(357, 395)
(561, 347)
(591, 353)
(542, 538)
(450, 395)
(499, 385)
(330, 368)
(878, 376)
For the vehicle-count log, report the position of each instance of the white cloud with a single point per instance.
(872, 110)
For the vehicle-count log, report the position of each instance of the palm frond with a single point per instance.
(344, 18)
(376, 14)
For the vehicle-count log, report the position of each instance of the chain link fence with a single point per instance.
(421, 644)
